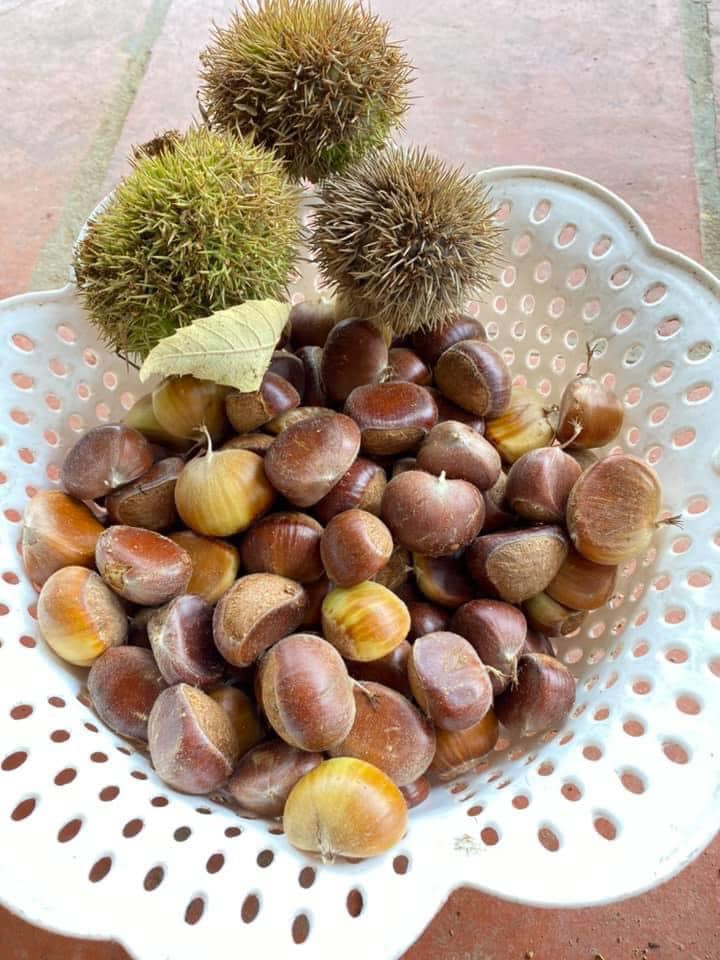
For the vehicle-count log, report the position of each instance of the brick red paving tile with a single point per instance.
(58, 66)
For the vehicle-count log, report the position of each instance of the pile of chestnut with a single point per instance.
(351, 591)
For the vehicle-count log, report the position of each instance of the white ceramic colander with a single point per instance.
(93, 843)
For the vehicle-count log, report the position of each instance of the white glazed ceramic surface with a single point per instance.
(618, 800)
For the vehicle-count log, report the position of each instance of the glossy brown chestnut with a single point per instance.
(432, 344)
(497, 632)
(389, 732)
(280, 424)
(426, 618)
(123, 684)
(590, 415)
(258, 443)
(148, 501)
(523, 426)
(311, 359)
(310, 322)
(403, 465)
(462, 453)
(307, 693)
(538, 643)
(315, 593)
(394, 417)
(58, 531)
(193, 746)
(310, 457)
(542, 698)
(432, 515)
(460, 750)
(355, 353)
(396, 572)
(404, 364)
(539, 484)
(103, 459)
(248, 411)
(254, 613)
(265, 775)
(443, 580)
(354, 546)
(451, 411)
(582, 584)
(181, 639)
(215, 564)
(142, 566)
(517, 564)
(552, 618)
(474, 376)
(284, 543)
(243, 716)
(416, 792)
(361, 487)
(449, 680)
(290, 368)
(390, 670)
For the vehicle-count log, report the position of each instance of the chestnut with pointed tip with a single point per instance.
(461, 453)
(539, 484)
(222, 492)
(215, 564)
(590, 414)
(354, 546)
(542, 698)
(613, 508)
(284, 543)
(141, 565)
(552, 618)
(103, 459)
(124, 683)
(497, 631)
(432, 515)
(248, 411)
(306, 692)
(181, 640)
(516, 564)
(58, 531)
(148, 501)
(257, 611)
(361, 487)
(523, 426)
(308, 458)
(389, 732)
(355, 353)
(193, 746)
(430, 345)
(449, 680)
(443, 580)
(393, 416)
(458, 751)
(365, 621)
(474, 375)
(265, 775)
(582, 584)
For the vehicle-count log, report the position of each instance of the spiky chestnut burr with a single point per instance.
(318, 82)
(405, 238)
(202, 223)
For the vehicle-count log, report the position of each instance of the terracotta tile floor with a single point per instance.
(621, 92)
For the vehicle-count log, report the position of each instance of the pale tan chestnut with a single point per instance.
(58, 531)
